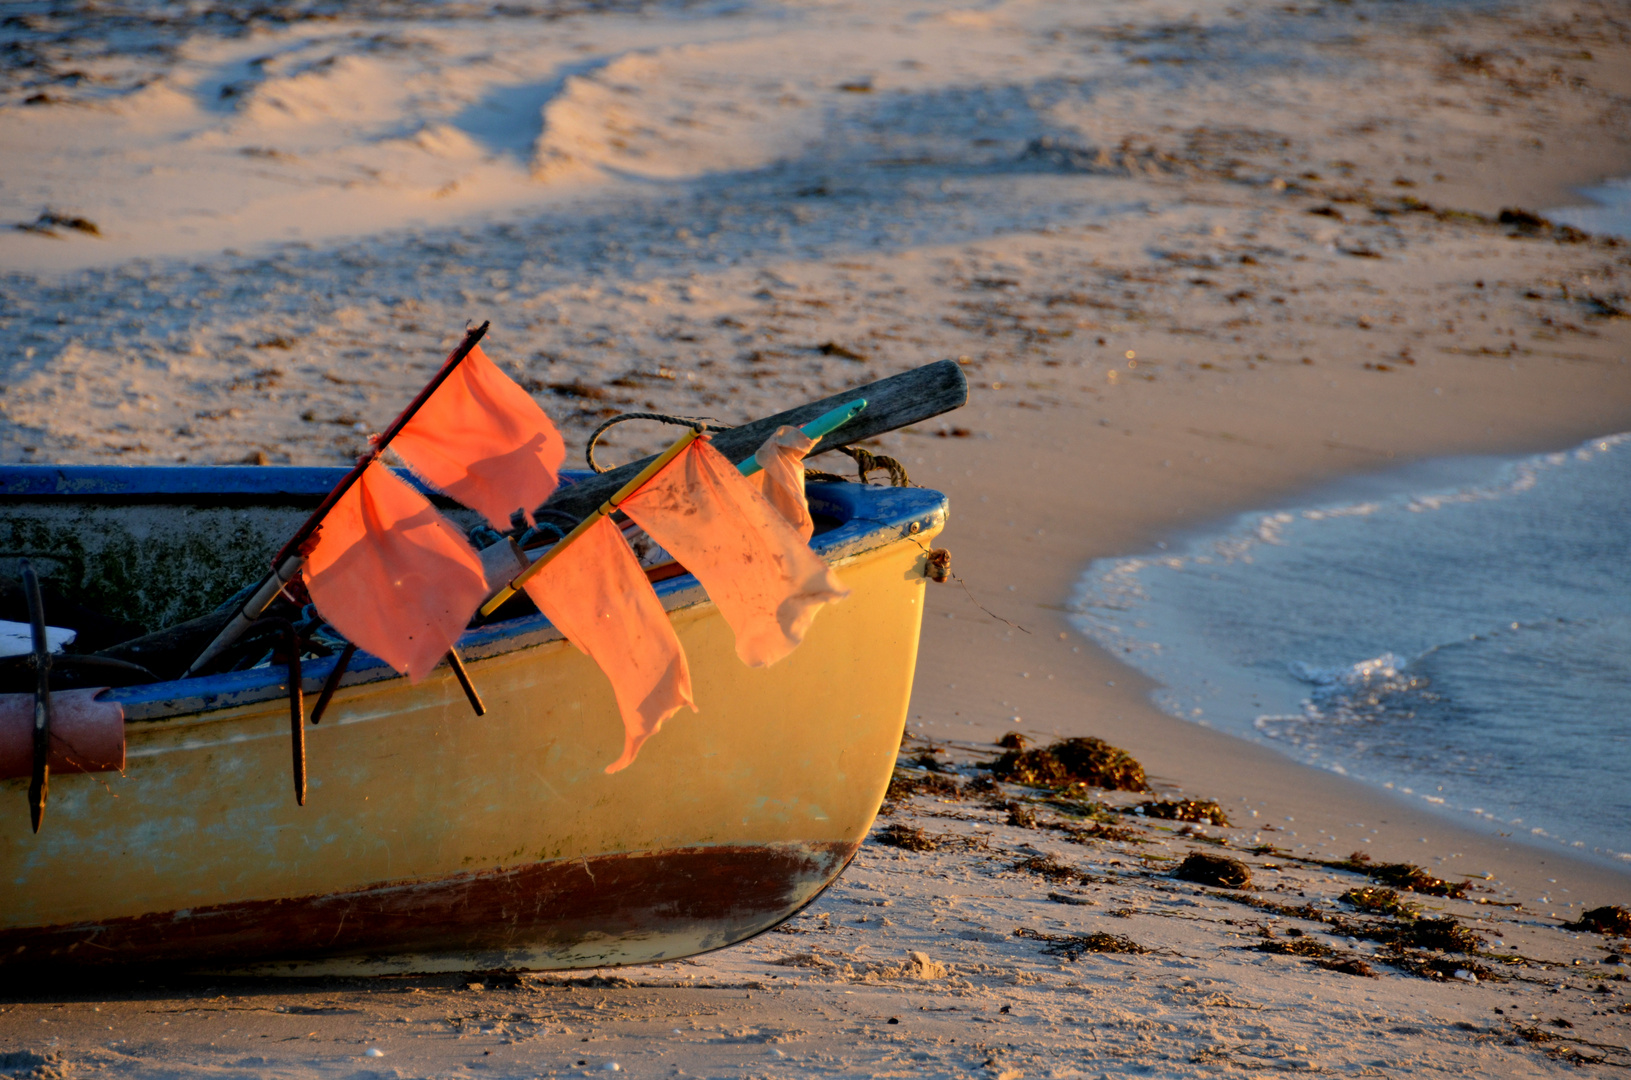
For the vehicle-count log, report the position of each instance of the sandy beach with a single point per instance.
(1195, 260)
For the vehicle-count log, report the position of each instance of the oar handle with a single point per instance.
(825, 423)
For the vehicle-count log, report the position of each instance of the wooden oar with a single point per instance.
(896, 402)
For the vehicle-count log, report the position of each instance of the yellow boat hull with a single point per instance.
(433, 839)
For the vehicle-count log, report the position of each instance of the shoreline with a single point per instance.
(1206, 763)
(1239, 540)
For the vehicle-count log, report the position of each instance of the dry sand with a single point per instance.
(1196, 260)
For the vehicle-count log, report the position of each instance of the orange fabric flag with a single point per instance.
(597, 595)
(781, 476)
(484, 441)
(761, 574)
(392, 574)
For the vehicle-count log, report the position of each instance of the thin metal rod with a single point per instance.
(297, 702)
(332, 683)
(457, 664)
(39, 784)
(583, 526)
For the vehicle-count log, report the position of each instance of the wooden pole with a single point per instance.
(652, 469)
(456, 357)
(287, 562)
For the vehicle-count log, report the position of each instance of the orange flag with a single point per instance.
(761, 574)
(781, 476)
(598, 596)
(392, 574)
(484, 441)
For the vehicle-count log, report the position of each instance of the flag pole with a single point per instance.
(287, 562)
(821, 425)
(605, 508)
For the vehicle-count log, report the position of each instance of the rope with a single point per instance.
(868, 462)
(699, 423)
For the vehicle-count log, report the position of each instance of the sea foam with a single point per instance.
(1459, 632)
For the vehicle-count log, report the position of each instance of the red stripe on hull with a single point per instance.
(722, 894)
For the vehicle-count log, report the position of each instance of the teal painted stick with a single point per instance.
(816, 428)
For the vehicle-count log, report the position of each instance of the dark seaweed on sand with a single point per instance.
(1099, 831)
(1613, 920)
(904, 784)
(1326, 956)
(1200, 811)
(1072, 946)
(907, 837)
(1348, 965)
(1214, 870)
(1051, 869)
(1021, 816)
(1089, 761)
(1377, 901)
(1298, 946)
(1402, 876)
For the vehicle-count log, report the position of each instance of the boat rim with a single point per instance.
(868, 518)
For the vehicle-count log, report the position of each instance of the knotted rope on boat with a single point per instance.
(868, 462)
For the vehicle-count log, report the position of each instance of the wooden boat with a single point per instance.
(433, 839)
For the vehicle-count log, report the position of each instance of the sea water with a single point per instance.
(1609, 211)
(1458, 632)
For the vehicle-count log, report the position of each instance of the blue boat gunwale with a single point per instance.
(868, 518)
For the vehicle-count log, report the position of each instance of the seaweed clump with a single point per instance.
(1405, 876)
(1200, 811)
(1613, 920)
(1214, 870)
(1101, 831)
(1300, 945)
(1051, 869)
(1088, 761)
(1444, 934)
(1021, 816)
(1377, 901)
(903, 785)
(907, 838)
(1072, 946)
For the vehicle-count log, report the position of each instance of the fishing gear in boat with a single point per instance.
(822, 425)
